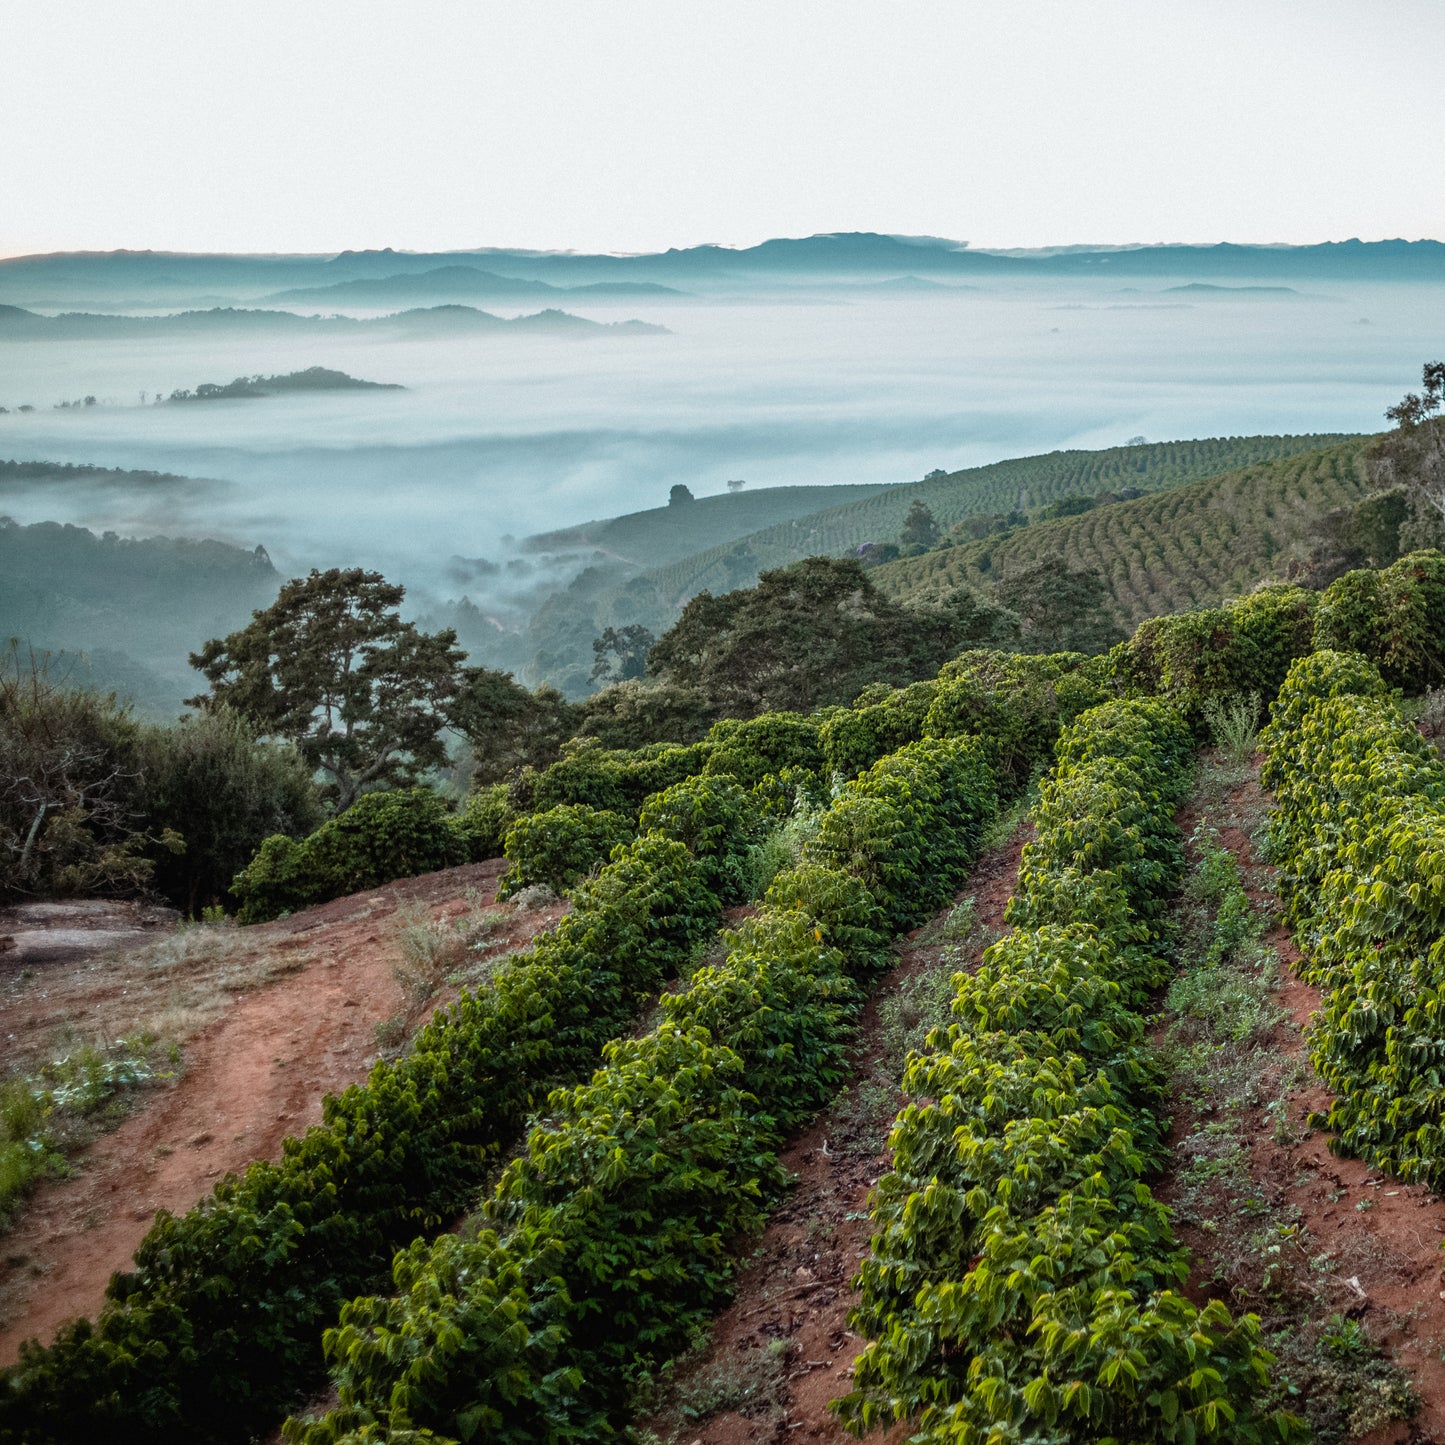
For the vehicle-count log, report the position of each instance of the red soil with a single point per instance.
(799, 1285)
(1386, 1252)
(252, 1077)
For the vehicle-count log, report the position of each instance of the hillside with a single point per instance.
(126, 611)
(18, 324)
(1188, 547)
(1019, 483)
(667, 534)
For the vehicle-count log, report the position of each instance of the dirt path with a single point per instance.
(309, 992)
(783, 1349)
(1362, 1246)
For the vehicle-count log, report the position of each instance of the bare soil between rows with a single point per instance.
(798, 1286)
(309, 992)
(1382, 1238)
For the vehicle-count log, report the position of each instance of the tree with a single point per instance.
(1413, 455)
(628, 648)
(508, 727)
(736, 484)
(1061, 609)
(680, 496)
(814, 633)
(68, 772)
(212, 784)
(920, 527)
(331, 666)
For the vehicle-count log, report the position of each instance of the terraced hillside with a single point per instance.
(1188, 547)
(1021, 482)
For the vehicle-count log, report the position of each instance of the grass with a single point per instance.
(1252, 1247)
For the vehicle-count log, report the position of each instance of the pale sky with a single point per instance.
(316, 125)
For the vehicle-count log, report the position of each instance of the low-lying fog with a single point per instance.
(497, 437)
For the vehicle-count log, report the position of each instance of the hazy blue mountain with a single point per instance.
(856, 255)
(455, 283)
(17, 324)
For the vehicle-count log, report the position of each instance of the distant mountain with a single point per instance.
(314, 378)
(1208, 289)
(456, 283)
(17, 324)
(845, 255)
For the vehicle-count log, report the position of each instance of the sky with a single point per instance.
(627, 125)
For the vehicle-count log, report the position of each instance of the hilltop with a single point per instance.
(458, 283)
(843, 255)
(313, 378)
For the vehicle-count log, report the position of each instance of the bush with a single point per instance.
(482, 823)
(1395, 617)
(716, 821)
(382, 836)
(223, 793)
(560, 847)
(747, 750)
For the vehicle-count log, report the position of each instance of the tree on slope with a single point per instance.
(331, 666)
(1413, 455)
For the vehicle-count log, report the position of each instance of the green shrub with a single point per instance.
(483, 820)
(716, 821)
(380, 837)
(746, 750)
(560, 847)
(1395, 617)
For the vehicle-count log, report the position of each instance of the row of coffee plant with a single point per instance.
(1023, 1281)
(612, 1235)
(217, 1328)
(1359, 832)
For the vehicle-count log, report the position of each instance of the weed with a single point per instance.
(1233, 722)
(390, 1032)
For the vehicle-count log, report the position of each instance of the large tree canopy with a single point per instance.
(814, 633)
(332, 666)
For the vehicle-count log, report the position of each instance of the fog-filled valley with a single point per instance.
(799, 376)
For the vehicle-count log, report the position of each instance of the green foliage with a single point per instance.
(717, 823)
(483, 820)
(1009, 702)
(1395, 617)
(910, 825)
(209, 782)
(1061, 608)
(810, 635)
(881, 720)
(381, 837)
(69, 761)
(1359, 832)
(747, 750)
(1022, 1282)
(560, 847)
(217, 1327)
(506, 726)
(331, 666)
(1245, 646)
